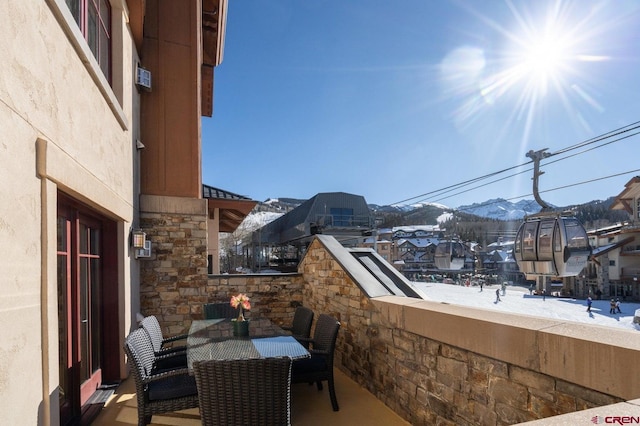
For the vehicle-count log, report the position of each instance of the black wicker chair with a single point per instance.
(301, 326)
(167, 357)
(319, 367)
(219, 310)
(244, 392)
(161, 345)
(157, 391)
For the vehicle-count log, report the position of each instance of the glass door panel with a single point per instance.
(90, 303)
(79, 308)
(96, 315)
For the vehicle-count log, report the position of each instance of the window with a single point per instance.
(94, 20)
(528, 241)
(545, 238)
(612, 263)
(341, 216)
(576, 235)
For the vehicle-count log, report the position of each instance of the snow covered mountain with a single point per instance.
(499, 208)
(424, 213)
(400, 208)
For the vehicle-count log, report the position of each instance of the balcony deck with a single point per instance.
(308, 407)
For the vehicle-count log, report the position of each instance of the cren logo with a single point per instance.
(615, 420)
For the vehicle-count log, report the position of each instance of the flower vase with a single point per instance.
(240, 328)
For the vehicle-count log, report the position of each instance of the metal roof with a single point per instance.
(211, 192)
(233, 208)
(318, 215)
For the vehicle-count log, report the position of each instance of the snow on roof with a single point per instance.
(418, 242)
(413, 228)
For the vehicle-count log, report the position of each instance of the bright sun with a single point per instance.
(538, 60)
(544, 56)
(542, 60)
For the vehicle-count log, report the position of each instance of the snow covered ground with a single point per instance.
(518, 300)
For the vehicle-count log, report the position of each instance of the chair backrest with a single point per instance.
(302, 320)
(325, 335)
(140, 353)
(151, 325)
(219, 310)
(244, 392)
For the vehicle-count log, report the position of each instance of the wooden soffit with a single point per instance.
(214, 22)
(232, 208)
(231, 212)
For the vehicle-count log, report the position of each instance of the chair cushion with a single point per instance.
(308, 365)
(178, 360)
(172, 387)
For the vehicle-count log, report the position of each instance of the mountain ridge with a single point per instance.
(592, 213)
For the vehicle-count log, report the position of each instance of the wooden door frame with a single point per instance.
(110, 342)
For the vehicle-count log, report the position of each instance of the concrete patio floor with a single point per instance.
(308, 407)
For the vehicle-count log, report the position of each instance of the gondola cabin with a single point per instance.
(449, 255)
(551, 244)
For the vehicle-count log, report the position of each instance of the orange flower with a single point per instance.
(241, 301)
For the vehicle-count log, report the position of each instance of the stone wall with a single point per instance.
(174, 282)
(172, 279)
(431, 363)
(272, 296)
(436, 363)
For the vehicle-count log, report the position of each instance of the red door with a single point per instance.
(80, 306)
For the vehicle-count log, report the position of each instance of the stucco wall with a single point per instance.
(437, 363)
(61, 128)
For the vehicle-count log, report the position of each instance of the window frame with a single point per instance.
(98, 37)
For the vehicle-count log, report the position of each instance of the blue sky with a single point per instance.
(393, 100)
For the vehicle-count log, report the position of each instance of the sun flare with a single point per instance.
(544, 58)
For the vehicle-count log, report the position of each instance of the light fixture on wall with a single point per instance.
(138, 238)
(141, 246)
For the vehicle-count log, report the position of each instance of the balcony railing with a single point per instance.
(630, 273)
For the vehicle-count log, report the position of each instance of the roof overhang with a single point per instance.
(624, 201)
(607, 249)
(230, 212)
(214, 23)
(232, 208)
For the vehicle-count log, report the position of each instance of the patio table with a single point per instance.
(214, 339)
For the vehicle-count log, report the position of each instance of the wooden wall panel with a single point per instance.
(170, 129)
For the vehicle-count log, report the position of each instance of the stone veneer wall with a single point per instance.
(272, 296)
(174, 282)
(172, 279)
(436, 363)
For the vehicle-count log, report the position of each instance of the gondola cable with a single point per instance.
(547, 163)
(544, 191)
(602, 137)
(607, 135)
